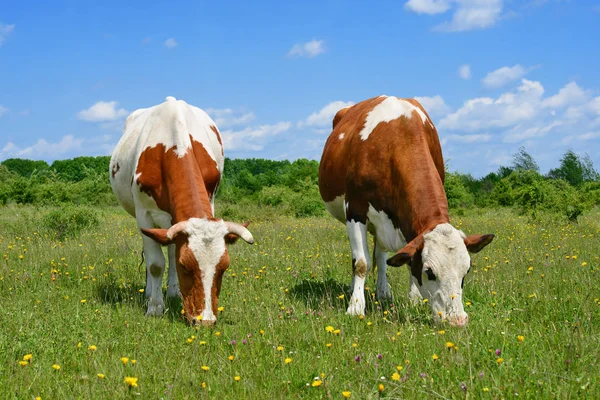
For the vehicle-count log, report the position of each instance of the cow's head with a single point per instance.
(202, 259)
(439, 261)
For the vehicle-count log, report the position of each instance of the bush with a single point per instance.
(69, 221)
(456, 192)
(275, 195)
(305, 206)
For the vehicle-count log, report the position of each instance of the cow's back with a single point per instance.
(379, 156)
(152, 134)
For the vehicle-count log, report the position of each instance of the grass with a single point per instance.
(532, 298)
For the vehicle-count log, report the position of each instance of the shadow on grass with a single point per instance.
(316, 294)
(115, 294)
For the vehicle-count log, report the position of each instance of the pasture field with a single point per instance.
(77, 309)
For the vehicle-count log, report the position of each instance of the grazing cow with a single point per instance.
(382, 171)
(165, 171)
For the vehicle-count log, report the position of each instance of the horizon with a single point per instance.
(492, 75)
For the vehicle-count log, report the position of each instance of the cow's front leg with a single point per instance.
(155, 267)
(383, 288)
(357, 233)
(172, 279)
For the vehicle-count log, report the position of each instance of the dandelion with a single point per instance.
(221, 309)
(449, 345)
(83, 301)
(346, 394)
(100, 376)
(329, 328)
(237, 378)
(341, 296)
(317, 383)
(133, 362)
(499, 360)
(141, 290)
(56, 367)
(399, 368)
(279, 348)
(336, 332)
(434, 357)
(205, 368)
(395, 376)
(23, 363)
(217, 333)
(328, 344)
(124, 360)
(92, 348)
(203, 384)
(485, 389)
(287, 360)
(381, 388)
(27, 357)
(230, 358)
(520, 338)
(131, 381)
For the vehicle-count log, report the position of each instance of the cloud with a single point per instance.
(433, 105)
(481, 138)
(5, 31)
(502, 76)
(309, 49)
(252, 138)
(3, 110)
(102, 111)
(42, 148)
(570, 94)
(324, 117)
(464, 71)
(170, 43)
(428, 6)
(225, 117)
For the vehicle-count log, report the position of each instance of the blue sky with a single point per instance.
(493, 74)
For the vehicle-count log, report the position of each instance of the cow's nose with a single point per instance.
(203, 322)
(459, 321)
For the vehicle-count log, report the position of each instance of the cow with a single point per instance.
(382, 171)
(165, 171)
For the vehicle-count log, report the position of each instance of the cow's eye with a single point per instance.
(430, 274)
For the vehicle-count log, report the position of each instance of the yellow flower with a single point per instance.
(27, 357)
(442, 332)
(221, 309)
(486, 389)
(23, 363)
(141, 290)
(434, 357)
(499, 360)
(203, 385)
(399, 368)
(449, 345)
(280, 348)
(217, 333)
(328, 345)
(329, 328)
(346, 394)
(381, 387)
(369, 323)
(56, 367)
(262, 332)
(133, 361)
(230, 358)
(336, 332)
(38, 398)
(131, 381)
(92, 348)
(83, 301)
(287, 360)
(520, 338)
(205, 368)
(317, 383)
(236, 378)
(100, 376)
(425, 300)
(189, 340)
(354, 345)
(124, 360)
(341, 296)
(395, 376)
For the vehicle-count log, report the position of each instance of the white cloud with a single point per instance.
(252, 138)
(569, 94)
(481, 138)
(464, 71)
(309, 49)
(170, 43)
(3, 110)
(428, 6)
(102, 111)
(42, 148)
(5, 31)
(502, 76)
(433, 105)
(324, 116)
(225, 117)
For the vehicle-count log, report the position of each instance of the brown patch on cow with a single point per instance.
(190, 280)
(339, 115)
(208, 167)
(359, 268)
(216, 131)
(399, 169)
(115, 168)
(217, 280)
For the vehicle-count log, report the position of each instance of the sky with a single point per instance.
(494, 75)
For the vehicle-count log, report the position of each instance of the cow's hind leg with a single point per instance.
(357, 233)
(383, 288)
(172, 279)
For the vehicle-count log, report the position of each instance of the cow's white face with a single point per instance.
(446, 261)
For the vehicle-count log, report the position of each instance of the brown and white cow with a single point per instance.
(382, 171)
(165, 171)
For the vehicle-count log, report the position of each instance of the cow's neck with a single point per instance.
(188, 197)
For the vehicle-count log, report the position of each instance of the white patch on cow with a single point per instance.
(341, 136)
(388, 237)
(445, 253)
(206, 240)
(357, 233)
(388, 110)
(337, 208)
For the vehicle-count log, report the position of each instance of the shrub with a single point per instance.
(456, 192)
(68, 221)
(275, 195)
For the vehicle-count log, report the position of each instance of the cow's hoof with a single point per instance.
(356, 307)
(155, 309)
(384, 294)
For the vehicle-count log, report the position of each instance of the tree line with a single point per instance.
(569, 189)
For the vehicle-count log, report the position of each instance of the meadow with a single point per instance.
(73, 324)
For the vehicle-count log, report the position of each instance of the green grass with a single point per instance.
(284, 291)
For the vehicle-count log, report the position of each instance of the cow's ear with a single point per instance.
(475, 243)
(158, 235)
(406, 253)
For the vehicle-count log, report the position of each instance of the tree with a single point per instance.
(24, 167)
(523, 161)
(574, 170)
